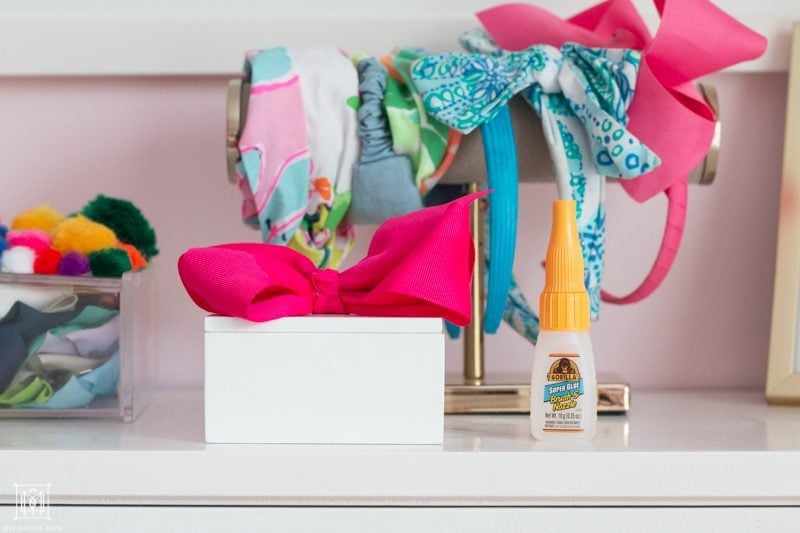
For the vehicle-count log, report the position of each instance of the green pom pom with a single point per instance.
(126, 220)
(109, 263)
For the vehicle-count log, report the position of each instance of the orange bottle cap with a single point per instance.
(564, 302)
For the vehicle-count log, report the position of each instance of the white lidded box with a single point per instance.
(324, 379)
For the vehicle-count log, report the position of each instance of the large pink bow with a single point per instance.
(668, 114)
(418, 265)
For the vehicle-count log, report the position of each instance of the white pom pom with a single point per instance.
(18, 260)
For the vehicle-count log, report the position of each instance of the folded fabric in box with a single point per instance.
(60, 356)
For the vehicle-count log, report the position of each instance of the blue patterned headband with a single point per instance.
(582, 95)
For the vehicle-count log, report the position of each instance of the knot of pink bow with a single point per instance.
(417, 265)
(326, 292)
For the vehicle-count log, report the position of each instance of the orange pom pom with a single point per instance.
(137, 259)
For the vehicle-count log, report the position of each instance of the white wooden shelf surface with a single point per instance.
(673, 448)
(100, 37)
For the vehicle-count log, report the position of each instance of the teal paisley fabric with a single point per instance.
(466, 90)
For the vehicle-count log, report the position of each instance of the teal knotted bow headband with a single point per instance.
(582, 95)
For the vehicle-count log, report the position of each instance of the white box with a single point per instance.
(324, 380)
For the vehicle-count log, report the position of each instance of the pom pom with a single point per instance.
(73, 264)
(35, 239)
(79, 234)
(3, 231)
(126, 220)
(18, 260)
(138, 262)
(42, 217)
(47, 261)
(109, 263)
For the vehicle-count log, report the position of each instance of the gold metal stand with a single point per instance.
(502, 394)
(473, 392)
(473, 333)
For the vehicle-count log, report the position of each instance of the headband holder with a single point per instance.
(534, 166)
(236, 112)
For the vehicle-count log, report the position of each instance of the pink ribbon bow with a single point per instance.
(667, 114)
(418, 265)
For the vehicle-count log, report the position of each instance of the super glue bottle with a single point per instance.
(564, 384)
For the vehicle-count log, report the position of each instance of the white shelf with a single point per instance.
(52, 37)
(671, 449)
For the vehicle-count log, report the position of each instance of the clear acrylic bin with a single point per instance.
(70, 355)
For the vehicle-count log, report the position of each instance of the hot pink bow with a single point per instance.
(668, 114)
(418, 265)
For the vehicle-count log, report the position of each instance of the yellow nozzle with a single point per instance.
(564, 303)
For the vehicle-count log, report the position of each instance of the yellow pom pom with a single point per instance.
(79, 234)
(41, 217)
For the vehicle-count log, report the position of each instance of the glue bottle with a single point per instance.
(564, 384)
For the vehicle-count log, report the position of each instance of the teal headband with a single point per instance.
(501, 169)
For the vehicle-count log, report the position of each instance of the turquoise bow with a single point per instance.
(465, 90)
(582, 95)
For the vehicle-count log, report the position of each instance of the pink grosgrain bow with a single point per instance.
(418, 265)
(668, 114)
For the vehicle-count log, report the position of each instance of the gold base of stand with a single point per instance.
(509, 394)
(475, 393)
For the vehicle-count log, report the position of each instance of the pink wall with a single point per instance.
(159, 142)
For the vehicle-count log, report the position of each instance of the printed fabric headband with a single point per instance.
(298, 148)
(695, 38)
(300, 162)
(404, 151)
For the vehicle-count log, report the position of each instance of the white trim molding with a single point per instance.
(208, 37)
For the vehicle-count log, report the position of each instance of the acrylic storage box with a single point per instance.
(73, 346)
(324, 380)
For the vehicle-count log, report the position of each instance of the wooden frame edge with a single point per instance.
(783, 381)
